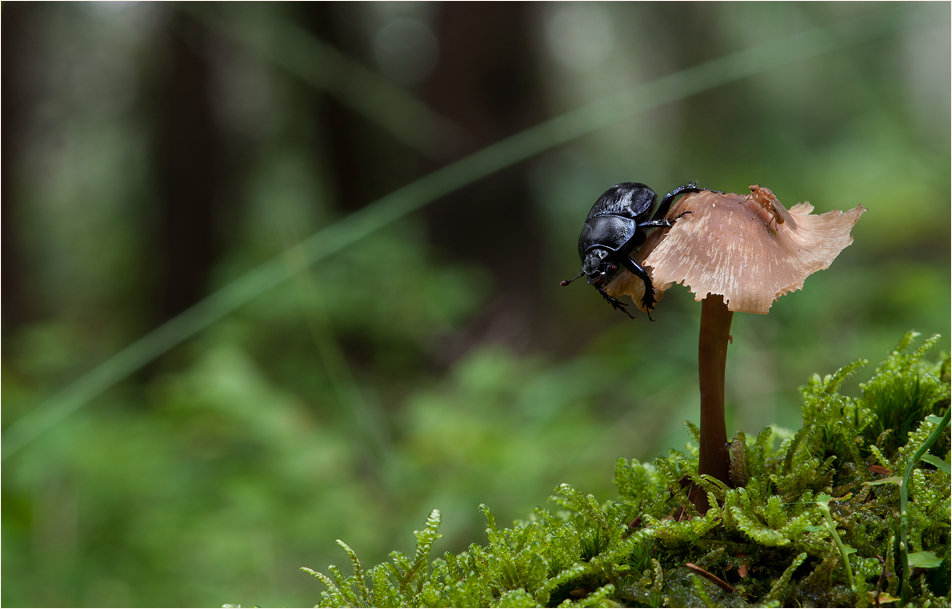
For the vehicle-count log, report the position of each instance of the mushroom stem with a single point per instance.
(712, 360)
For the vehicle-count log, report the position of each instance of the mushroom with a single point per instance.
(735, 253)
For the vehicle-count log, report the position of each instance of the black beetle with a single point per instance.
(615, 228)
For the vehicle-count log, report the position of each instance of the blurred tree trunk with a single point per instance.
(17, 47)
(486, 81)
(189, 161)
(352, 148)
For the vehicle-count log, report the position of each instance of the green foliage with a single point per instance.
(816, 524)
(903, 393)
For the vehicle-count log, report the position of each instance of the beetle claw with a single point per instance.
(615, 303)
(648, 303)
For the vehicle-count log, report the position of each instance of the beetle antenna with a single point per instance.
(565, 282)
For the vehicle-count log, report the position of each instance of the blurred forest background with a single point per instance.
(154, 153)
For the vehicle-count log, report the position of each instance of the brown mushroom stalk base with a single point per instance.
(714, 458)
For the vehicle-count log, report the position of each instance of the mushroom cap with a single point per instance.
(748, 248)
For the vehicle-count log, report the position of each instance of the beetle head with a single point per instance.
(599, 266)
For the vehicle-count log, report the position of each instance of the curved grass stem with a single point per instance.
(904, 501)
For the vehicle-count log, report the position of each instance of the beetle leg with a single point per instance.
(669, 199)
(664, 221)
(648, 300)
(614, 302)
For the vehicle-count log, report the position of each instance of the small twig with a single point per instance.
(717, 581)
(879, 583)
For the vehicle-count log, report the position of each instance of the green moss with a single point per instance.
(818, 523)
